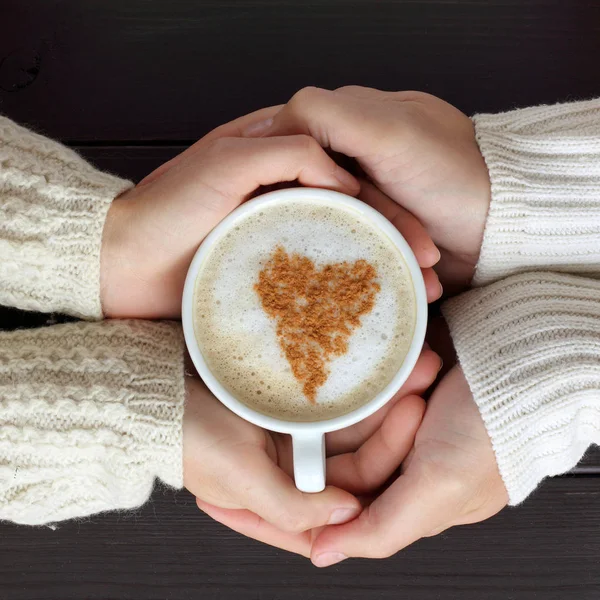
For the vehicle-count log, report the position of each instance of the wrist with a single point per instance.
(483, 194)
(460, 201)
(475, 205)
(529, 347)
(114, 262)
(140, 275)
(483, 189)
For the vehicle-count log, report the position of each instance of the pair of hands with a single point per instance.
(433, 185)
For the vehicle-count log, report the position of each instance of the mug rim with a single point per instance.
(326, 425)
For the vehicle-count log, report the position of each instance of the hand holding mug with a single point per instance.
(418, 149)
(304, 311)
(449, 477)
(242, 474)
(153, 229)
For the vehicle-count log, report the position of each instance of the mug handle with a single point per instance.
(309, 461)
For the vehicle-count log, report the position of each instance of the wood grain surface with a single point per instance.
(130, 83)
(548, 549)
(152, 70)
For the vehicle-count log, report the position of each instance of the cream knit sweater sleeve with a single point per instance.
(544, 165)
(90, 415)
(53, 206)
(529, 345)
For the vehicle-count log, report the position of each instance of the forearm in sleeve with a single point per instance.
(90, 415)
(529, 347)
(53, 206)
(544, 166)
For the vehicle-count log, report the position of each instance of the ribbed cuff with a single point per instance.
(529, 347)
(52, 212)
(544, 165)
(90, 415)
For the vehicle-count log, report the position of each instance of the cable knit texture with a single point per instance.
(52, 213)
(530, 349)
(90, 414)
(544, 165)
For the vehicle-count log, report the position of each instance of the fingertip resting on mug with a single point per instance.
(433, 286)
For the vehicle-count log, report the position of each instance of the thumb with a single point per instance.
(261, 487)
(413, 507)
(369, 467)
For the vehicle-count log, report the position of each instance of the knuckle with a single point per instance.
(415, 96)
(379, 544)
(454, 484)
(414, 111)
(308, 145)
(372, 519)
(304, 97)
(351, 89)
(437, 530)
(458, 491)
(221, 146)
(381, 549)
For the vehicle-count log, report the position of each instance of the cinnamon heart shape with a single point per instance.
(316, 310)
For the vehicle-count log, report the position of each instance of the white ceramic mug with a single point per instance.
(308, 438)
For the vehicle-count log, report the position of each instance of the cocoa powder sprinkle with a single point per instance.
(315, 309)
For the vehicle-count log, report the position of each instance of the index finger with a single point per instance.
(405, 222)
(422, 376)
(371, 465)
(234, 128)
(237, 127)
(336, 119)
(251, 525)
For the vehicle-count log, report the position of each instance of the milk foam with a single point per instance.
(239, 342)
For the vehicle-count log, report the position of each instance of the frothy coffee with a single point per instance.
(241, 341)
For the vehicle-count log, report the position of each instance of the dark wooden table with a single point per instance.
(130, 83)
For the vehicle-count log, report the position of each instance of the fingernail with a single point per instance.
(257, 129)
(328, 558)
(341, 515)
(439, 255)
(347, 180)
(441, 364)
(441, 291)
